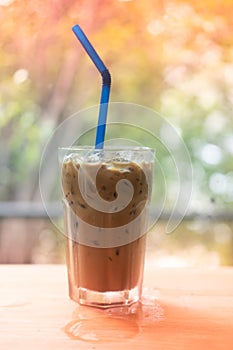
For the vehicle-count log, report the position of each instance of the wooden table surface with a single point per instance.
(181, 309)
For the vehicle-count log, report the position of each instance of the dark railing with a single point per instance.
(37, 210)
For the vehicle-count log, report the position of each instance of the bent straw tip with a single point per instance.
(76, 29)
(76, 26)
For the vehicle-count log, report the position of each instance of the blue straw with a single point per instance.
(106, 83)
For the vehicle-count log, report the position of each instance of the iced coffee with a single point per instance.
(106, 196)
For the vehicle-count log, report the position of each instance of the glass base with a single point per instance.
(106, 299)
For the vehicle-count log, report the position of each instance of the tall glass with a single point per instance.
(106, 195)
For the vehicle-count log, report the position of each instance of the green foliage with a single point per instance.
(175, 57)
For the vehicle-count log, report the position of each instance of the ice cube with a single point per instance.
(94, 156)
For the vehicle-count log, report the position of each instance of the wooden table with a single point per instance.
(181, 309)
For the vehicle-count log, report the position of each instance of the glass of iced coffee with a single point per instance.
(106, 195)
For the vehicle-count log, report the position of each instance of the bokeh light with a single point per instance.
(172, 56)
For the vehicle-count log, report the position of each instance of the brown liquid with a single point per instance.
(94, 267)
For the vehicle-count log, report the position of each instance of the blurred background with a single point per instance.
(172, 56)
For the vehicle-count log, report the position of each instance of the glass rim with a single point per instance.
(108, 148)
